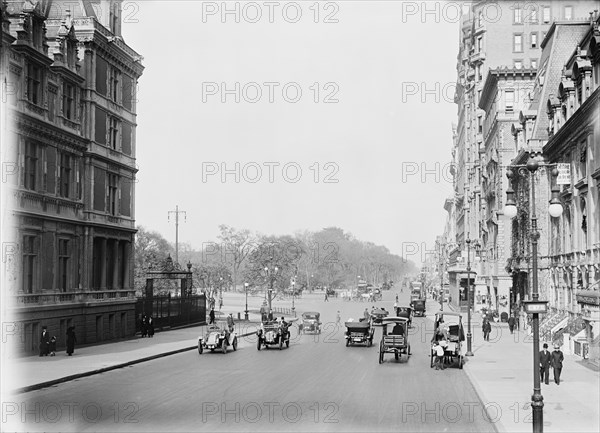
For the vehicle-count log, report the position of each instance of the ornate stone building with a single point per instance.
(70, 130)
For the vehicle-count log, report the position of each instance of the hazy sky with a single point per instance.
(390, 69)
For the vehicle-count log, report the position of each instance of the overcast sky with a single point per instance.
(390, 69)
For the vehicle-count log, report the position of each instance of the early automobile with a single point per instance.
(394, 338)
(311, 322)
(217, 337)
(406, 312)
(418, 306)
(359, 333)
(273, 333)
(378, 314)
(449, 332)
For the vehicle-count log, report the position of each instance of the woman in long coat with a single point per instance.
(71, 340)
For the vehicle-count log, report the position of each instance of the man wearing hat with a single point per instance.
(44, 342)
(545, 360)
(557, 360)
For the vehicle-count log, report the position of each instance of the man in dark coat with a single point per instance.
(487, 329)
(44, 342)
(511, 324)
(150, 326)
(211, 316)
(557, 363)
(71, 340)
(545, 360)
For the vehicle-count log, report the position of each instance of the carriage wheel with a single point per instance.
(381, 352)
(408, 353)
(460, 362)
(200, 349)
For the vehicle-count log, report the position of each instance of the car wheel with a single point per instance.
(224, 345)
(347, 342)
(281, 343)
(234, 345)
(408, 353)
(200, 348)
(396, 355)
(258, 344)
(212, 350)
(460, 362)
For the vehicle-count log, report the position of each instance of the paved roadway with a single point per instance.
(317, 384)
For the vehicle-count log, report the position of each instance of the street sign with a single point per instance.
(536, 307)
(564, 174)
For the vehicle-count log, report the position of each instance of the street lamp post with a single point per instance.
(246, 310)
(469, 334)
(270, 273)
(534, 307)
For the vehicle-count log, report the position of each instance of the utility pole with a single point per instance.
(177, 212)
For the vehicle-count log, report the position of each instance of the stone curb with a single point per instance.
(105, 369)
(498, 426)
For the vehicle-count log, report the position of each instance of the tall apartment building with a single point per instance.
(492, 35)
(69, 131)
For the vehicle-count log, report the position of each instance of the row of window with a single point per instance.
(110, 131)
(530, 12)
(40, 271)
(519, 41)
(46, 169)
(114, 85)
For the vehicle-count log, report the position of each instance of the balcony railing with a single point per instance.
(54, 298)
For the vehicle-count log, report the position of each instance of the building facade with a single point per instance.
(70, 127)
(492, 35)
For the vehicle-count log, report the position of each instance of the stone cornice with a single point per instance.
(48, 133)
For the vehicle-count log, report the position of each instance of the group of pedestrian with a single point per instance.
(554, 360)
(147, 326)
(48, 343)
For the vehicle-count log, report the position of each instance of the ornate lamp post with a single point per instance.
(535, 306)
(469, 333)
(246, 310)
(270, 273)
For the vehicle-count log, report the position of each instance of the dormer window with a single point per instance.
(37, 33)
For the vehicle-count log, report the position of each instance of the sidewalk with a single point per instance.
(32, 372)
(501, 371)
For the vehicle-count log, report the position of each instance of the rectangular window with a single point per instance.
(99, 189)
(31, 166)
(531, 12)
(29, 263)
(534, 64)
(128, 91)
(518, 64)
(125, 206)
(115, 80)
(100, 126)
(113, 133)
(517, 15)
(568, 12)
(518, 43)
(65, 174)
(101, 75)
(34, 84)
(480, 124)
(126, 138)
(480, 44)
(63, 264)
(68, 101)
(509, 98)
(51, 105)
(534, 40)
(546, 14)
(112, 194)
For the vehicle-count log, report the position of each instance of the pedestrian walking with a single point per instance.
(44, 342)
(396, 298)
(338, 318)
(557, 363)
(71, 340)
(545, 360)
(230, 323)
(511, 324)
(52, 346)
(366, 315)
(150, 326)
(326, 296)
(487, 328)
(211, 316)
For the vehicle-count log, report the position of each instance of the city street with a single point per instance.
(318, 384)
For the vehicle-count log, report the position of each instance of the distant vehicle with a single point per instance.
(217, 337)
(406, 312)
(359, 333)
(418, 306)
(311, 322)
(394, 338)
(378, 314)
